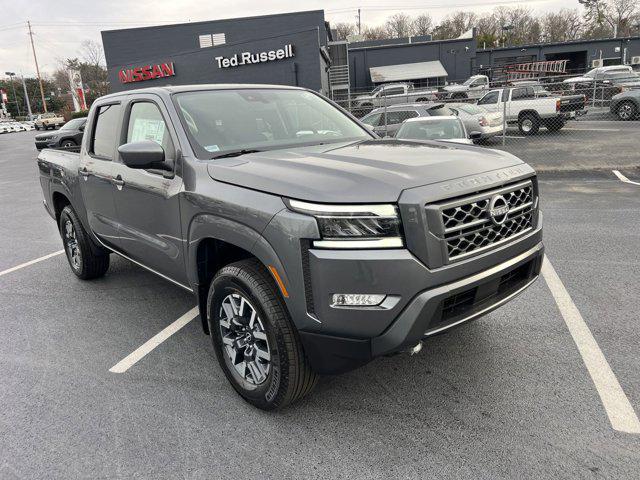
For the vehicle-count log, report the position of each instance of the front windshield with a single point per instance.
(220, 121)
(73, 124)
(469, 81)
(440, 129)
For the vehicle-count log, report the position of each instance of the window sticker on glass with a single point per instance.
(148, 129)
(212, 148)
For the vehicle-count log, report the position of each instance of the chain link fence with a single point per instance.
(562, 122)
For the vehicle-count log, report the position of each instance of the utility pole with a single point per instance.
(35, 58)
(359, 23)
(26, 98)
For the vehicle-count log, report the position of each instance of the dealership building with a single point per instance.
(299, 49)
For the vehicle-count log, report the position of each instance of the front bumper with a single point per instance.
(427, 311)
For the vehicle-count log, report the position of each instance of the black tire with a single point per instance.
(555, 124)
(87, 265)
(37, 127)
(626, 110)
(528, 124)
(68, 143)
(289, 376)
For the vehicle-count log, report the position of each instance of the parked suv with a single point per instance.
(386, 121)
(310, 245)
(69, 136)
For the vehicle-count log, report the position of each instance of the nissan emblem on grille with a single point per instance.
(473, 224)
(498, 209)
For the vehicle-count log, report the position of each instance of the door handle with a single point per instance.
(118, 182)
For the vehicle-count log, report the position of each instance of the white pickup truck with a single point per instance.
(392, 94)
(474, 87)
(529, 111)
(45, 121)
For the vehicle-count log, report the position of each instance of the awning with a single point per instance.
(407, 71)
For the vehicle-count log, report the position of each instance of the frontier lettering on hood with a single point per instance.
(248, 58)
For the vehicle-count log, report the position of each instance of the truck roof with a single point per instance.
(169, 89)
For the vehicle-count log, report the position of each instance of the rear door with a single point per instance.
(147, 201)
(96, 172)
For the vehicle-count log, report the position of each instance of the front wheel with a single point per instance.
(627, 110)
(68, 144)
(84, 263)
(254, 339)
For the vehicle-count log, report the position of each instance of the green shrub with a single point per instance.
(80, 114)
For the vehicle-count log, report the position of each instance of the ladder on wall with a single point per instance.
(524, 71)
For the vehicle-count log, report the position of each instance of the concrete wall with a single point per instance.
(458, 64)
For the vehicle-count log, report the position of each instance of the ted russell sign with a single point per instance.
(146, 72)
(248, 58)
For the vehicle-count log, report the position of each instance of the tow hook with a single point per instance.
(415, 350)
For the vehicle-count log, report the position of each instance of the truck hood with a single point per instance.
(362, 172)
(455, 88)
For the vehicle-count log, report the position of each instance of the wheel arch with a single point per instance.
(215, 242)
(528, 112)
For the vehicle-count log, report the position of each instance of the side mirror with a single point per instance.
(143, 154)
(81, 128)
(475, 135)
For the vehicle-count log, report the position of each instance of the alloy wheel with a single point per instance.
(71, 245)
(527, 125)
(244, 339)
(624, 111)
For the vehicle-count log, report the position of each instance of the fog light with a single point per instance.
(357, 300)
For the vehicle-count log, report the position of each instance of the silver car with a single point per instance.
(477, 119)
(450, 129)
(386, 121)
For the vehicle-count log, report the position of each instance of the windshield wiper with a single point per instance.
(235, 153)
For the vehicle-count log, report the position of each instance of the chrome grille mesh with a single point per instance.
(467, 226)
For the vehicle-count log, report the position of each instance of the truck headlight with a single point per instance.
(354, 226)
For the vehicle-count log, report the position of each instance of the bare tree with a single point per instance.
(455, 24)
(399, 25)
(610, 17)
(344, 30)
(422, 24)
(92, 53)
(374, 33)
(561, 26)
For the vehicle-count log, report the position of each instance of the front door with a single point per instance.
(147, 201)
(96, 173)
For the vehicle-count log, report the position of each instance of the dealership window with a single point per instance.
(146, 123)
(105, 131)
(212, 40)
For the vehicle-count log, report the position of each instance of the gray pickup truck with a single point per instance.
(311, 245)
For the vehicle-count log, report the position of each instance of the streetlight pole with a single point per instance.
(13, 87)
(26, 98)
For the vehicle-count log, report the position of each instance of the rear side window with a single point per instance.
(440, 111)
(400, 116)
(105, 132)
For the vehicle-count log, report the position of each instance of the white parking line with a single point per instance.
(623, 178)
(593, 129)
(31, 262)
(135, 356)
(619, 410)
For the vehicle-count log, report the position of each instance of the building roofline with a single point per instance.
(553, 44)
(202, 22)
(396, 45)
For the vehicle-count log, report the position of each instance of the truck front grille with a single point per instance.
(473, 224)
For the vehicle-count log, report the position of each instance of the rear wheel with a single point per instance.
(626, 110)
(555, 124)
(254, 339)
(528, 124)
(84, 263)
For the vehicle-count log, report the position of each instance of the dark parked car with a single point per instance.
(69, 136)
(626, 105)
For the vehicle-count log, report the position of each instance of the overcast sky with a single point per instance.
(59, 27)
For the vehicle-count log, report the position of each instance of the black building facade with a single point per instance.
(288, 49)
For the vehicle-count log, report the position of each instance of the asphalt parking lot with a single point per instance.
(507, 396)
